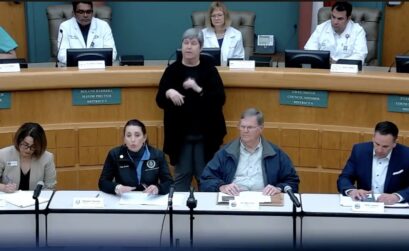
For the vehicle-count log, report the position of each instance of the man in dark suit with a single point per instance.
(381, 165)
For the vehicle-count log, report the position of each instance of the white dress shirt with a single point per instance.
(379, 170)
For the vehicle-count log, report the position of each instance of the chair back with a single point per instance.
(241, 20)
(57, 14)
(369, 19)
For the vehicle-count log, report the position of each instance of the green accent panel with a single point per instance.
(96, 96)
(304, 98)
(5, 100)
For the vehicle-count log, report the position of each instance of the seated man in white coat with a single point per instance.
(84, 31)
(221, 35)
(340, 35)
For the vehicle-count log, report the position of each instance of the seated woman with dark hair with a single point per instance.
(135, 165)
(27, 162)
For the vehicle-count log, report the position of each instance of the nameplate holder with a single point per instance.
(238, 204)
(242, 64)
(91, 65)
(368, 207)
(344, 68)
(15, 67)
(88, 202)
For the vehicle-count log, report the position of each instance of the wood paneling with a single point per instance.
(318, 140)
(13, 20)
(395, 35)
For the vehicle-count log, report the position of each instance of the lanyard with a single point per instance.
(146, 155)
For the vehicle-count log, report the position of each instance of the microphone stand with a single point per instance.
(37, 215)
(170, 210)
(294, 226)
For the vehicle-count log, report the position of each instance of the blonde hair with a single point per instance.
(218, 5)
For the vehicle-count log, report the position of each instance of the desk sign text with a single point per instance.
(304, 98)
(91, 65)
(5, 100)
(88, 202)
(397, 103)
(100, 96)
(13, 67)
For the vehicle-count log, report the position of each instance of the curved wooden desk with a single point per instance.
(318, 140)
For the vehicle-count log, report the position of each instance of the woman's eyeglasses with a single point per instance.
(27, 146)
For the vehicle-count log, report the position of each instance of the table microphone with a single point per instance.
(293, 198)
(59, 46)
(191, 201)
(170, 198)
(37, 190)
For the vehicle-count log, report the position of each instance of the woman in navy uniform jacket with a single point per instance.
(135, 166)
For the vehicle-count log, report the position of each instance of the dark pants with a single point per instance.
(191, 162)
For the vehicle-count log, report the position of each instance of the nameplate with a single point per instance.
(344, 68)
(98, 96)
(304, 98)
(398, 103)
(15, 67)
(368, 207)
(239, 204)
(5, 100)
(91, 65)
(90, 202)
(242, 64)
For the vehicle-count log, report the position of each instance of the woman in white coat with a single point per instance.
(219, 34)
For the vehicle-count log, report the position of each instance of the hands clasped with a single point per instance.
(234, 189)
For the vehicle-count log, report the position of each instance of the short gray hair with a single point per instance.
(250, 112)
(194, 33)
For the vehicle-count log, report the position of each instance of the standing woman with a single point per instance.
(135, 165)
(219, 34)
(191, 93)
(27, 162)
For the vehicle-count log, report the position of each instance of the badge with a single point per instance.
(151, 164)
(12, 163)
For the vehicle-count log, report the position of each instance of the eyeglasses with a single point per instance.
(217, 15)
(249, 128)
(82, 12)
(27, 146)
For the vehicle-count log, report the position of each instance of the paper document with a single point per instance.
(23, 198)
(140, 198)
(275, 200)
(347, 201)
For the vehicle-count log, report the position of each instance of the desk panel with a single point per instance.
(140, 226)
(326, 222)
(18, 225)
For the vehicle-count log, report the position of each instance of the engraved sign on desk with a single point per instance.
(5, 100)
(96, 96)
(304, 98)
(398, 103)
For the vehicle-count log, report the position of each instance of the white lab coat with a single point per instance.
(351, 44)
(232, 46)
(99, 36)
